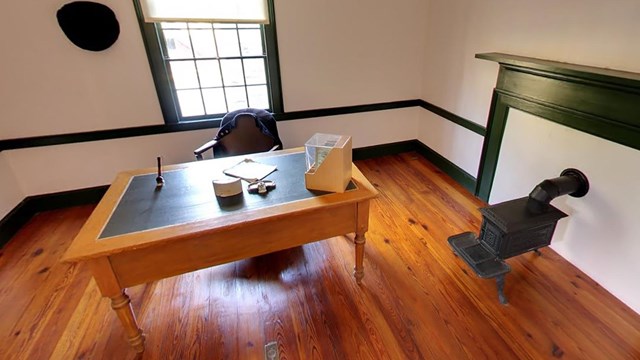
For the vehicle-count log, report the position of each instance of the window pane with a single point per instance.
(236, 98)
(178, 44)
(203, 43)
(173, 25)
(251, 42)
(199, 25)
(214, 101)
(184, 74)
(227, 43)
(190, 102)
(209, 71)
(213, 68)
(232, 72)
(258, 96)
(254, 71)
(249, 26)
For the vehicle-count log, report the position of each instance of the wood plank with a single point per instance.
(36, 312)
(417, 300)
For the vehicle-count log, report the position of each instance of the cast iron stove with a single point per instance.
(515, 227)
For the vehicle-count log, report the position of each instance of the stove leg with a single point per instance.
(537, 252)
(500, 284)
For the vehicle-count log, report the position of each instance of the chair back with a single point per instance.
(245, 138)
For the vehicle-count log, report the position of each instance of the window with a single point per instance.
(205, 69)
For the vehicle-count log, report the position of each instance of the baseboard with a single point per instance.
(69, 198)
(449, 168)
(31, 205)
(14, 220)
(454, 171)
(374, 151)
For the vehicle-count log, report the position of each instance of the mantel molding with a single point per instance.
(603, 75)
(601, 102)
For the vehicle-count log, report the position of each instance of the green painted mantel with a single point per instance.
(599, 101)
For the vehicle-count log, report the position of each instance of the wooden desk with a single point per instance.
(138, 234)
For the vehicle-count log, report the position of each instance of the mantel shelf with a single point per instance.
(619, 77)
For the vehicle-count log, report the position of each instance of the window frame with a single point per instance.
(167, 98)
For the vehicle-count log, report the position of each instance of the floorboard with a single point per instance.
(417, 300)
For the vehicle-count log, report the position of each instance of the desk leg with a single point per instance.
(362, 225)
(120, 302)
(358, 271)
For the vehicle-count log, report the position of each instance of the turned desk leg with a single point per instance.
(358, 270)
(362, 225)
(110, 287)
(121, 304)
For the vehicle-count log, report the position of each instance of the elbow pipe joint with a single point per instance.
(571, 181)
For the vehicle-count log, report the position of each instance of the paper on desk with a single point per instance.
(250, 170)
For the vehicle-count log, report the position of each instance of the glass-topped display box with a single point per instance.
(328, 160)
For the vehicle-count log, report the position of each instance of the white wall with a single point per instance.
(50, 86)
(43, 170)
(457, 144)
(336, 52)
(601, 234)
(366, 129)
(330, 55)
(590, 32)
(10, 192)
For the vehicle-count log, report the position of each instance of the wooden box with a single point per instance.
(328, 160)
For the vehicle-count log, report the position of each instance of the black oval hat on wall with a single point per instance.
(89, 25)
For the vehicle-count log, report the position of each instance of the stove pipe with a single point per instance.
(571, 181)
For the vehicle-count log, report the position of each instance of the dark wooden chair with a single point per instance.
(242, 132)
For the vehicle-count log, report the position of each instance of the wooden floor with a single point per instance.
(417, 300)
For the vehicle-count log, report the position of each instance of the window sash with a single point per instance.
(186, 117)
(154, 40)
(221, 11)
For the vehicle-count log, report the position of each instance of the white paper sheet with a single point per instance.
(250, 170)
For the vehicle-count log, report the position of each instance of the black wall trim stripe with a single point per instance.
(31, 205)
(467, 124)
(344, 110)
(47, 140)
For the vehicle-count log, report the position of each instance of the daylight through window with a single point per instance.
(216, 68)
